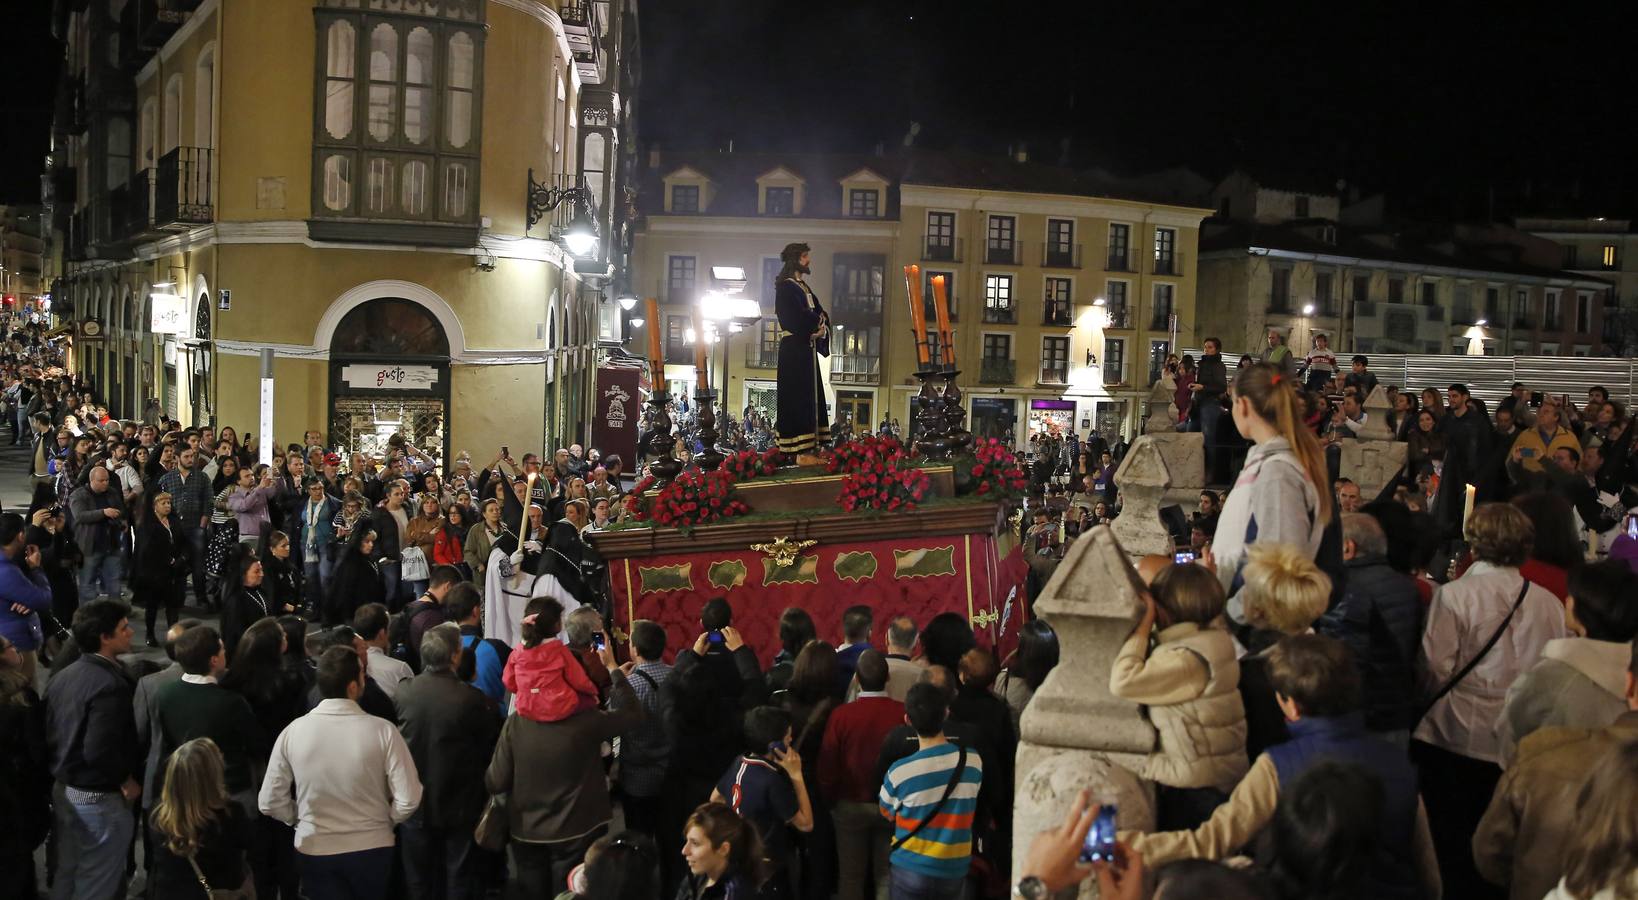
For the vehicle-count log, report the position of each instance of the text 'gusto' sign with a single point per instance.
(389, 378)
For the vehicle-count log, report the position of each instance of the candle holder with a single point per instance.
(956, 436)
(660, 445)
(931, 441)
(710, 458)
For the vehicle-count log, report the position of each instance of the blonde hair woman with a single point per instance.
(200, 835)
(1284, 593)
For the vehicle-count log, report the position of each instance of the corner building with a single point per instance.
(345, 182)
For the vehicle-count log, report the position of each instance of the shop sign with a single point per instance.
(169, 315)
(618, 412)
(389, 378)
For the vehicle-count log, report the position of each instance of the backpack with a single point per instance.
(398, 632)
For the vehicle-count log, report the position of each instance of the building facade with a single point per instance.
(1065, 293)
(1279, 259)
(349, 183)
(22, 256)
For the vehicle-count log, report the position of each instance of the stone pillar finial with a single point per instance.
(1076, 734)
(1162, 406)
(1376, 416)
(1143, 478)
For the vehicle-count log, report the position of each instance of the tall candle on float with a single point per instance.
(1467, 508)
(918, 314)
(528, 499)
(656, 357)
(941, 308)
(702, 371)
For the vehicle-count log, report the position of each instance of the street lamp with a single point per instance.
(581, 236)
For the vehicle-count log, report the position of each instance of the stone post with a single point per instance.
(1075, 733)
(1375, 459)
(1143, 478)
(1162, 406)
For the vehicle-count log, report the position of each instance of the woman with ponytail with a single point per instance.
(1282, 494)
(723, 854)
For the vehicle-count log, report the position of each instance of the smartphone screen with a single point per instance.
(714, 637)
(1100, 840)
(1632, 527)
(598, 640)
(1183, 556)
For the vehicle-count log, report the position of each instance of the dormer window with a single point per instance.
(864, 203)
(779, 201)
(685, 198)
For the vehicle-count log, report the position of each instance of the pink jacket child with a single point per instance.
(547, 682)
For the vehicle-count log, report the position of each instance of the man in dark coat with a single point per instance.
(1210, 384)
(1380, 620)
(803, 418)
(447, 724)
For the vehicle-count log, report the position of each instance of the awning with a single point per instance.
(60, 330)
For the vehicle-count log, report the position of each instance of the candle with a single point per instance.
(946, 334)
(1467, 510)
(702, 371)
(918, 315)
(656, 356)
(528, 498)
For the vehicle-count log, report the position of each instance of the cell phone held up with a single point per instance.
(1099, 845)
(598, 640)
(714, 636)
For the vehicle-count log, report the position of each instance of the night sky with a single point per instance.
(1447, 111)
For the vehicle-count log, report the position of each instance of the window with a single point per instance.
(1583, 313)
(1114, 360)
(779, 201)
(1166, 251)
(1549, 349)
(856, 354)
(1157, 358)
(1521, 309)
(676, 339)
(1581, 350)
(941, 240)
(864, 203)
(949, 294)
(1001, 244)
(1060, 243)
(1430, 292)
(1570, 255)
(1055, 360)
(1492, 306)
(1362, 288)
(1120, 247)
(685, 198)
(204, 89)
(998, 298)
(1279, 295)
(1163, 306)
(1302, 207)
(1551, 319)
(765, 355)
(1323, 298)
(1609, 258)
(1462, 303)
(1396, 290)
(680, 274)
(396, 123)
(171, 111)
(997, 346)
(1115, 296)
(1058, 302)
(771, 267)
(858, 280)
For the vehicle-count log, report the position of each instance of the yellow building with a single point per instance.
(347, 183)
(1065, 294)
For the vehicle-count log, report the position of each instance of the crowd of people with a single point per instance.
(1362, 696)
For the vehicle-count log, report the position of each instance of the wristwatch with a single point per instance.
(1030, 888)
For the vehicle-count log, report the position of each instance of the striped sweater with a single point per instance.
(912, 789)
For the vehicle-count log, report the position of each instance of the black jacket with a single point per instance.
(156, 563)
(387, 538)
(241, 608)
(356, 582)
(92, 726)
(1212, 377)
(1380, 619)
(448, 726)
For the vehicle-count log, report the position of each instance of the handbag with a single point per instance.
(245, 891)
(493, 827)
(1474, 662)
(412, 565)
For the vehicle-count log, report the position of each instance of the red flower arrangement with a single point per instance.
(748, 464)
(694, 498)
(861, 453)
(992, 472)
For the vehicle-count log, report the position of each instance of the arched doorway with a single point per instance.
(389, 372)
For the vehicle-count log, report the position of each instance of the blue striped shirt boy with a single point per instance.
(943, 848)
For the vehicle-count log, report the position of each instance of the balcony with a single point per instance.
(1278, 306)
(182, 190)
(678, 354)
(930, 309)
(998, 371)
(1170, 264)
(582, 30)
(1120, 318)
(1120, 259)
(1057, 314)
(941, 249)
(1061, 256)
(1055, 374)
(1523, 323)
(759, 357)
(1000, 315)
(1002, 254)
(855, 369)
(1463, 315)
(1161, 320)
